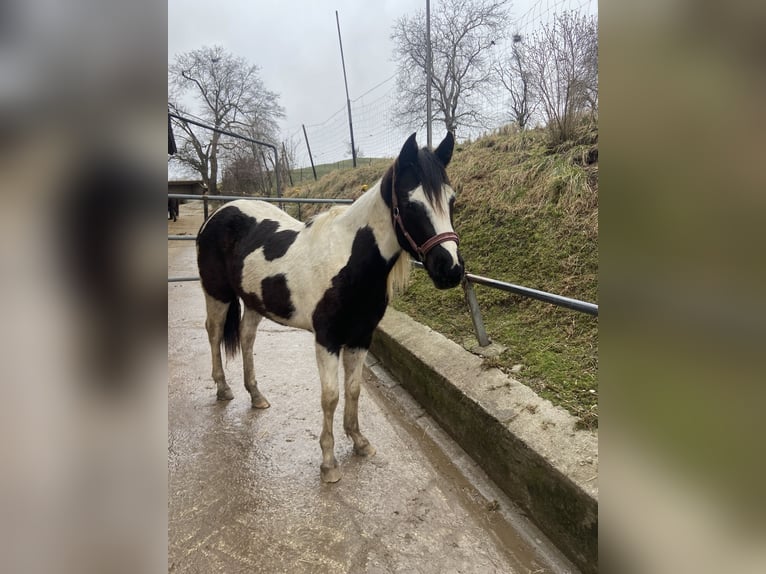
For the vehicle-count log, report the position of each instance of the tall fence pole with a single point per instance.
(348, 100)
(308, 147)
(429, 71)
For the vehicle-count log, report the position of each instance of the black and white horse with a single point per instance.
(333, 275)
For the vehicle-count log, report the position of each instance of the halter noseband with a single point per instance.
(423, 249)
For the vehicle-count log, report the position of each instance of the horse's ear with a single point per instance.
(444, 151)
(409, 153)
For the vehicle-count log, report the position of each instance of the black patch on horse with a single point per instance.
(216, 265)
(264, 234)
(278, 244)
(227, 238)
(353, 306)
(276, 296)
(252, 301)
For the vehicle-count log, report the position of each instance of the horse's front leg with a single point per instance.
(353, 362)
(328, 375)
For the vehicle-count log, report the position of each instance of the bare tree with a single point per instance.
(462, 33)
(563, 57)
(514, 74)
(242, 175)
(248, 171)
(287, 159)
(229, 95)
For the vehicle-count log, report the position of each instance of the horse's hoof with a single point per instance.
(366, 450)
(330, 474)
(260, 403)
(224, 395)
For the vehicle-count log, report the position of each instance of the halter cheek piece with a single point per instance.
(423, 249)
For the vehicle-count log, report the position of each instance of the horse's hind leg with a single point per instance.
(328, 375)
(216, 318)
(247, 329)
(353, 361)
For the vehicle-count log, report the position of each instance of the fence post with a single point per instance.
(311, 158)
(204, 204)
(473, 306)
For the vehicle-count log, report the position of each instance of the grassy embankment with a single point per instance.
(305, 176)
(527, 213)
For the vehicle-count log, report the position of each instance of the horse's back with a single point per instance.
(236, 220)
(262, 210)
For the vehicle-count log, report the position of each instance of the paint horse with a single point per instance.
(333, 275)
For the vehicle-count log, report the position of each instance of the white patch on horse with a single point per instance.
(439, 217)
(309, 264)
(370, 210)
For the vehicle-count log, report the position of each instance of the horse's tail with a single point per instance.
(231, 329)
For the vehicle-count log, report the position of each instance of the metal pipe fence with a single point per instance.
(265, 198)
(229, 133)
(559, 300)
(468, 280)
(473, 304)
(206, 199)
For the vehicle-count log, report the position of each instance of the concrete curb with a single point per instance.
(526, 445)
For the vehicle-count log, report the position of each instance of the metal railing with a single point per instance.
(271, 146)
(468, 280)
(473, 304)
(206, 199)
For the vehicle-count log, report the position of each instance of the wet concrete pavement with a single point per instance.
(244, 487)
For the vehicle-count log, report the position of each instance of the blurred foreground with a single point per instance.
(682, 321)
(82, 155)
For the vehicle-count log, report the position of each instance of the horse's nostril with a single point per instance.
(449, 278)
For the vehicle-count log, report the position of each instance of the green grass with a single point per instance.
(344, 182)
(305, 176)
(527, 213)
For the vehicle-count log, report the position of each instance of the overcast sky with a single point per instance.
(295, 43)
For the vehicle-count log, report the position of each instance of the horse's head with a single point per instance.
(421, 204)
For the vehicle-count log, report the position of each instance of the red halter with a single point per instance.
(423, 249)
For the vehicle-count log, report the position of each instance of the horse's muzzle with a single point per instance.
(443, 270)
